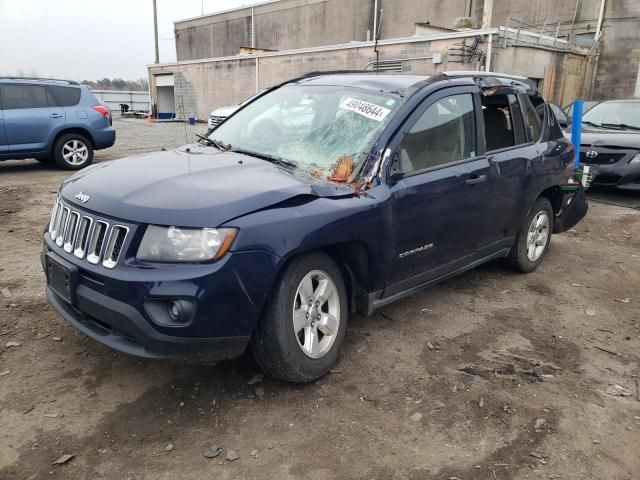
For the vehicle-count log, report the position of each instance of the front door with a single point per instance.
(4, 144)
(440, 189)
(31, 116)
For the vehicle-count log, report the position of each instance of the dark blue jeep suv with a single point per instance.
(52, 120)
(330, 194)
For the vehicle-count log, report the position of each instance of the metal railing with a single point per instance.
(559, 35)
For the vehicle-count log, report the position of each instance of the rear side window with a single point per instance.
(66, 96)
(26, 96)
(534, 117)
(444, 134)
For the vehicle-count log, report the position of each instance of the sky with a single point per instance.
(92, 39)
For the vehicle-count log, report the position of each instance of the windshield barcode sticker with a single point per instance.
(369, 110)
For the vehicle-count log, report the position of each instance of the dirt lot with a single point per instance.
(492, 375)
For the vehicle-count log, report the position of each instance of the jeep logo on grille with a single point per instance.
(83, 197)
(591, 154)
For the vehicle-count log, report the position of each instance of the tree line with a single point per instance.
(141, 84)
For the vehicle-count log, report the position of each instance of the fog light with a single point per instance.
(170, 312)
(175, 311)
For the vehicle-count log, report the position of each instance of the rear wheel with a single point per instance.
(533, 240)
(73, 151)
(300, 335)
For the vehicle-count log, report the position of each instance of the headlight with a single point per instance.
(635, 159)
(175, 244)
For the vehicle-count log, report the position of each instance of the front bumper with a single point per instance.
(113, 306)
(612, 167)
(122, 328)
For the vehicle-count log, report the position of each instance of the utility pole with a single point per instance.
(487, 16)
(155, 30)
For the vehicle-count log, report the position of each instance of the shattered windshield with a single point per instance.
(324, 130)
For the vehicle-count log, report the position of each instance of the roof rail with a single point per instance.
(42, 79)
(319, 73)
(480, 73)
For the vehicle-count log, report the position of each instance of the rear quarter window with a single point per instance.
(66, 96)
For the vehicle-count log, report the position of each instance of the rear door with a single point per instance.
(511, 154)
(31, 117)
(440, 186)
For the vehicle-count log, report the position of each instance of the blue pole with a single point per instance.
(576, 129)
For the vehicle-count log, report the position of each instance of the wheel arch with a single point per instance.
(352, 258)
(555, 196)
(79, 130)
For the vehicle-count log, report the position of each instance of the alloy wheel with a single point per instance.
(316, 314)
(538, 235)
(75, 152)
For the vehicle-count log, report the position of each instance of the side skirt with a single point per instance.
(376, 300)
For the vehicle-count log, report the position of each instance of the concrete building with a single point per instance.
(560, 44)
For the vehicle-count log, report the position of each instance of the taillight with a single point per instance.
(102, 110)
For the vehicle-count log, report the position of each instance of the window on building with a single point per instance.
(445, 133)
(26, 96)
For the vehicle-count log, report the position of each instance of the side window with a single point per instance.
(66, 96)
(503, 127)
(519, 134)
(444, 133)
(533, 117)
(26, 96)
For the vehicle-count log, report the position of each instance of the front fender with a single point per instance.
(321, 223)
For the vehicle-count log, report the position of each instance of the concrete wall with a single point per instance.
(294, 24)
(282, 25)
(289, 24)
(205, 85)
(570, 74)
(619, 61)
(539, 11)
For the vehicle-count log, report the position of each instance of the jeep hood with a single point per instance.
(192, 186)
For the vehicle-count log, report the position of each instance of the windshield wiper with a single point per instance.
(211, 143)
(268, 158)
(587, 122)
(624, 126)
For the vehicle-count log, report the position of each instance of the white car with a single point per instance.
(219, 115)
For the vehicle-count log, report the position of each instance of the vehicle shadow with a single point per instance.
(25, 166)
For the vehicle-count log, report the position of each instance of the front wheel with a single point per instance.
(72, 151)
(301, 332)
(533, 240)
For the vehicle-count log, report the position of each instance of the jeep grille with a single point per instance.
(86, 237)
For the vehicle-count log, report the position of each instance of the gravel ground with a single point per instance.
(492, 375)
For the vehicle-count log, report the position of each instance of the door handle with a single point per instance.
(55, 115)
(475, 179)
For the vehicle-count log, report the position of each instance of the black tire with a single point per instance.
(275, 346)
(518, 257)
(59, 146)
